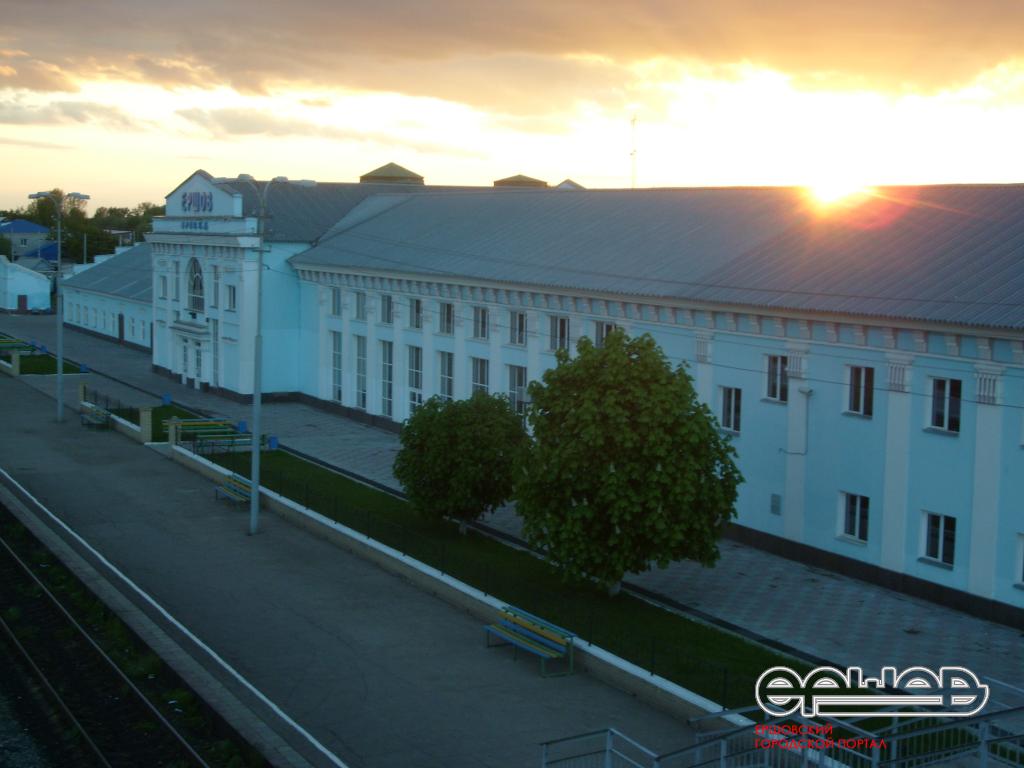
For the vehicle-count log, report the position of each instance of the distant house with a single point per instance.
(25, 236)
(41, 257)
(113, 298)
(22, 289)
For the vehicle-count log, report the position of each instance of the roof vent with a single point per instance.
(520, 181)
(391, 174)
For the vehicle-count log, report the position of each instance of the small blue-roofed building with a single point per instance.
(25, 236)
(113, 298)
(23, 289)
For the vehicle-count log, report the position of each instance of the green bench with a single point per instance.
(94, 417)
(235, 488)
(532, 634)
(198, 426)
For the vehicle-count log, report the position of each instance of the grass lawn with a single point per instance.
(713, 663)
(44, 364)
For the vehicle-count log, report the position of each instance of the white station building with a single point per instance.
(868, 361)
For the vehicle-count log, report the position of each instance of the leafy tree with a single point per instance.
(458, 458)
(627, 467)
(6, 247)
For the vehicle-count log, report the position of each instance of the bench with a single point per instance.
(198, 426)
(532, 634)
(94, 417)
(235, 487)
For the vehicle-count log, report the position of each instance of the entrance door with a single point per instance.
(120, 327)
(22, 302)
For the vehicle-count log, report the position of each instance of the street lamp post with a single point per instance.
(257, 353)
(58, 203)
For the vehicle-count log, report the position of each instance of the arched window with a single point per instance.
(195, 286)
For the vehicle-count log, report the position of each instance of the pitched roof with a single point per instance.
(952, 254)
(299, 214)
(21, 227)
(391, 172)
(128, 275)
(519, 180)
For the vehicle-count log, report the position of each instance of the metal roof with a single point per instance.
(952, 254)
(128, 275)
(21, 227)
(299, 214)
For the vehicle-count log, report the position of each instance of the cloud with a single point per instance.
(231, 122)
(513, 55)
(15, 112)
(32, 144)
(33, 75)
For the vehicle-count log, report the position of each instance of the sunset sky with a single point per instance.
(122, 99)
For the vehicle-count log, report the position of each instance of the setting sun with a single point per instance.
(832, 191)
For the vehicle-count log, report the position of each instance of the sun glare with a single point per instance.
(833, 191)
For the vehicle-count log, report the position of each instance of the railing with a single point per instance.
(113, 405)
(601, 749)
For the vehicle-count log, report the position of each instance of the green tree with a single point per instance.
(627, 466)
(459, 458)
(6, 248)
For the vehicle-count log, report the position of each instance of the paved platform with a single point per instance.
(822, 613)
(379, 671)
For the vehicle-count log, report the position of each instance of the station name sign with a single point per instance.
(197, 202)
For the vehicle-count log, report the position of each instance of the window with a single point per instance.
(447, 367)
(517, 328)
(480, 374)
(131, 328)
(415, 378)
(184, 358)
(215, 293)
(601, 331)
(559, 332)
(387, 377)
(361, 372)
(732, 398)
(199, 362)
(163, 286)
(479, 322)
(94, 317)
(336, 302)
(336, 366)
(946, 404)
(447, 319)
(177, 281)
(862, 390)
(940, 538)
(387, 309)
(778, 378)
(855, 516)
(360, 305)
(195, 286)
(232, 297)
(415, 313)
(517, 388)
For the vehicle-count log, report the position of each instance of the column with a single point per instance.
(895, 515)
(984, 522)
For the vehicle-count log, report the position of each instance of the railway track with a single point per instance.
(115, 723)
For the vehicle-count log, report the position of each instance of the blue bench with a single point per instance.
(532, 634)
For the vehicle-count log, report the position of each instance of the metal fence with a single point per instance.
(113, 405)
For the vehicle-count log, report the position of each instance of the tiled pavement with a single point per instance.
(821, 613)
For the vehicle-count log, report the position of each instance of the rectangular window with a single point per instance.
(732, 398)
(481, 369)
(387, 309)
(336, 302)
(778, 378)
(199, 362)
(862, 390)
(446, 320)
(184, 358)
(940, 538)
(360, 305)
(855, 516)
(559, 332)
(361, 372)
(93, 317)
(415, 378)
(215, 293)
(177, 281)
(946, 404)
(232, 297)
(387, 377)
(336, 366)
(517, 388)
(131, 328)
(447, 368)
(517, 328)
(415, 313)
(601, 331)
(163, 286)
(480, 322)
